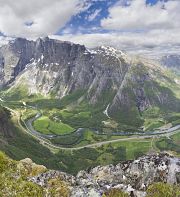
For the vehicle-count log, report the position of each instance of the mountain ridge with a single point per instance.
(108, 77)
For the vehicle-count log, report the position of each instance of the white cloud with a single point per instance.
(158, 25)
(92, 16)
(47, 16)
(147, 42)
(159, 28)
(144, 28)
(138, 15)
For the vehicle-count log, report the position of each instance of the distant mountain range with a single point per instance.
(172, 62)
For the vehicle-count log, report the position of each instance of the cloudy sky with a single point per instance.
(140, 26)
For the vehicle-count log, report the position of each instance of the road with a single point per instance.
(30, 130)
(106, 142)
(166, 133)
(30, 121)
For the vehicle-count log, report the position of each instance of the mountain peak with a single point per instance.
(62, 68)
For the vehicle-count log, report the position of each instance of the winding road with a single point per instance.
(44, 141)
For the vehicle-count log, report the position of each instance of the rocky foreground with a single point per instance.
(156, 175)
(132, 177)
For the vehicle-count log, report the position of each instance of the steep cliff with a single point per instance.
(123, 86)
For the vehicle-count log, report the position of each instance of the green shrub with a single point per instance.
(3, 162)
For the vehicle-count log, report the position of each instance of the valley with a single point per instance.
(92, 148)
(90, 98)
(62, 136)
(81, 108)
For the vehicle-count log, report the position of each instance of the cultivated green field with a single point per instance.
(22, 145)
(46, 126)
(64, 116)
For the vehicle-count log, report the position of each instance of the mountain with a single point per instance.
(90, 92)
(150, 175)
(172, 61)
(122, 87)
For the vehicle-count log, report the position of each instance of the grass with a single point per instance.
(85, 138)
(27, 114)
(46, 126)
(170, 144)
(53, 103)
(82, 116)
(21, 145)
(176, 138)
(75, 114)
(153, 124)
(155, 118)
(174, 118)
(134, 148)
(73, 161)
(111, 153)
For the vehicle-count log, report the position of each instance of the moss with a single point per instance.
(30, 168)
(13, 180)
(115, 193)
(163, 190)
(58, 188)
(3, 162)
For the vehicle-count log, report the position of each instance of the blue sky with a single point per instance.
(81, 23)
(135, 25)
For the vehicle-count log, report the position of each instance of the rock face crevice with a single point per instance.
(133, 177)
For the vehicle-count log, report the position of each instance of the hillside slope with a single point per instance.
(6, 127)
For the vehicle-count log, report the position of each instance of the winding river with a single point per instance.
(79, 131)
(44, 139)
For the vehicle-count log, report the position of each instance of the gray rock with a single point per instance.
(131, 176)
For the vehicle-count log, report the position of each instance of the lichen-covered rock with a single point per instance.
(151, 175)
(30, 167)
(132, 177)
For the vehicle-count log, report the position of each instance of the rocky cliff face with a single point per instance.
(122, 84)
(133, 177)
(13, 59)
